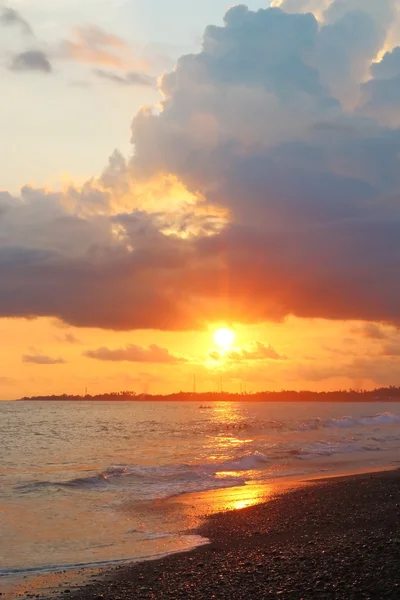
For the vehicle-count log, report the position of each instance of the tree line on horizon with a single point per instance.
(391, 393)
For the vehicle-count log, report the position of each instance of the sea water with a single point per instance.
(94, 483)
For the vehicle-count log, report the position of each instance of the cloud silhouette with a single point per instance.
(42, 359)
(137, 354)
(132, 78)
(31, 60)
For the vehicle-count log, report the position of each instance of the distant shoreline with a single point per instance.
(390, 394)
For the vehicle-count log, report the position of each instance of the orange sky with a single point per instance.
(314, 354)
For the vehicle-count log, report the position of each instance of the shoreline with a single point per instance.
(303, 516)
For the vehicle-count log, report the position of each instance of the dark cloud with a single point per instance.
(152, 354)
(12, 18)
(129, 79)
(261, 126)
(31, 60)
(118, 272)
(42, 359)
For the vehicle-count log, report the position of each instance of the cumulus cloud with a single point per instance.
(10, 17)
(42, 359)
(131, 78)
(31, 60)
(137, 354)
(302, 6)
(256, 351)
(355, 30)
(293, 189)
(381, 93)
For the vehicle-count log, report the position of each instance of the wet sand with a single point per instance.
(335, 538)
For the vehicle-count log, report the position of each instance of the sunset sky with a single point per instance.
(174, 167)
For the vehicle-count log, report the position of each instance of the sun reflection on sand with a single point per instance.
(227, 499)
(245, 503)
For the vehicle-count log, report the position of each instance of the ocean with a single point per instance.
(96, 483)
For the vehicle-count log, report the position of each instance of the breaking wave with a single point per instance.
(164, 481)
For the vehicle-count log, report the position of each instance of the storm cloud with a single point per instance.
(272, 125)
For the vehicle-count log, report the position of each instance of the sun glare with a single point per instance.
(224, 338)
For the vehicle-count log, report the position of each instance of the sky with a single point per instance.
(172, 168)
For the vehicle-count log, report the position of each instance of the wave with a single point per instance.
(248, 462)
(162, 481)
(348, 422)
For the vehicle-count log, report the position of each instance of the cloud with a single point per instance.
(391, 348)
(95, 46)
(381, 93)
(12, 18)
(68, 338)
(302, 6)
(42, 359)
(131, 78)
(256, 351)
(286, 188)
(131, 353)
(31, 60)
(373, 331)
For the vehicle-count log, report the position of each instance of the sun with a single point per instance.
(224, 338)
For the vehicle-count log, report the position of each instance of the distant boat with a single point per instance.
(203, 406)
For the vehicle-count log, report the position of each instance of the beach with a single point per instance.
(333, 538)
(117, 502)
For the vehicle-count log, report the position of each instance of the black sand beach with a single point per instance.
(335, 538)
